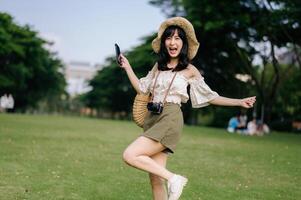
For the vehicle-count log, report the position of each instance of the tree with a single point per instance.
(111, 89)
(288, 101)
(231, 33)
(28, 70)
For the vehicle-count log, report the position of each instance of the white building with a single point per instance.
(77, 75)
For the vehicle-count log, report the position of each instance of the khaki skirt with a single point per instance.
(166, 127)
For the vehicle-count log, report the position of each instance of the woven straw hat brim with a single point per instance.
(193, 43)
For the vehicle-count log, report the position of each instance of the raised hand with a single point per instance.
(124, 63)
(248, 102)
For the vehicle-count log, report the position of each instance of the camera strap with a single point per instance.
(173, 78)
(153, 93)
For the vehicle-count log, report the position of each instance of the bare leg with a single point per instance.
(158, 183)
(138, 154)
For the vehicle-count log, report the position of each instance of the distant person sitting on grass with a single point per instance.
(262, 128)
(257, 128)
(235, 124)
(243, 119)
(176, 44)
(252, 127)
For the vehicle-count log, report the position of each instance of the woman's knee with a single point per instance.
(128, 157)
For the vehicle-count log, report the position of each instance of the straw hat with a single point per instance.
(193, 43)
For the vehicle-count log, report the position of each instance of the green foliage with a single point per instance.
(55, 157)
(27, 70)
(111, 88)
(230, 31)
(289, 99)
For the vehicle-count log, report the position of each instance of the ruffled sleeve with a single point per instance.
(145, 82)
(200, 92)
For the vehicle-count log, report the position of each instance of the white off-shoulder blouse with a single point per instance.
(200, 92)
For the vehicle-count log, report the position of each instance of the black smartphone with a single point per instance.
(117, 51)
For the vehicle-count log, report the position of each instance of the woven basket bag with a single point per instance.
(141, 101)
(140, 108)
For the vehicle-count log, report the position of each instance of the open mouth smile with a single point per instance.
(173, 50)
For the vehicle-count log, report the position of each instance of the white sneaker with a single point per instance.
(175, 187)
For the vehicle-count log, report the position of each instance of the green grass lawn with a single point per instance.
(55, 157)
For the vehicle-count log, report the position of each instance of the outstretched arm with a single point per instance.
(224, 101)
(124, 63)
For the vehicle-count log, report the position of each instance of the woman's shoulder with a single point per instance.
(192, 68)
(155, 67)
(191, 72)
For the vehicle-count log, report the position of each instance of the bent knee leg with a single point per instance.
(156, 181)
(129, 157)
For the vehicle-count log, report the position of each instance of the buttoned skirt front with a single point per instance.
(166, 127)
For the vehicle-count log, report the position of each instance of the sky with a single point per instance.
(85, 31)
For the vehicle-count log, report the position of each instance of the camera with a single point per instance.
(155, 108)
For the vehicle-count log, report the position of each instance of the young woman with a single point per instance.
(176, 45)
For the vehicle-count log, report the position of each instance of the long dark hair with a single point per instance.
(163, 56)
